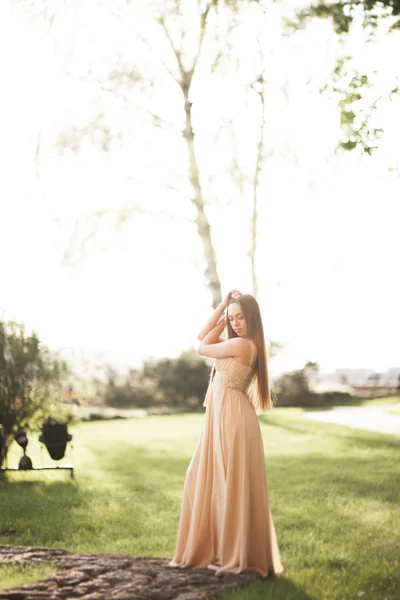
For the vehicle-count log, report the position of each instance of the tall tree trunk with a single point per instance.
(203, 225)
(260, 155)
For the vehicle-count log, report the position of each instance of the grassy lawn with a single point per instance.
(355, 402)
(373, 401)
(334, 494)
(13, 576)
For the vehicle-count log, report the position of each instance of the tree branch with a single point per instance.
(176, 52)
(150, 47)
(203, 20)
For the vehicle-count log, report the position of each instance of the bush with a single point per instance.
(336, 397)
(170, 382)
(292, 389)
(29, 381)
(133, 390)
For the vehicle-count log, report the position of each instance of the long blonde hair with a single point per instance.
(259, 390)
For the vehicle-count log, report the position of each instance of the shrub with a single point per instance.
(170, 382)
(29, 380)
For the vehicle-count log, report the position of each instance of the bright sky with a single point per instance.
(328, 228)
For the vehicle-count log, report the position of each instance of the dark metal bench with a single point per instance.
(55, 437)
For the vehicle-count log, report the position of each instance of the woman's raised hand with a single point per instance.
(229, 295)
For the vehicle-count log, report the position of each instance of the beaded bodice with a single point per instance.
(232, 374)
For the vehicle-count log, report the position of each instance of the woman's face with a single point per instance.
(236, 319)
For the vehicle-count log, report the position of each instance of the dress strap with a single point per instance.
(251, 353)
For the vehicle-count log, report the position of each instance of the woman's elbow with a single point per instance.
(200, 349)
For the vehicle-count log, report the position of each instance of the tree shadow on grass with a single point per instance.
(329, 477)
(346, 473)
(270, 589)
(121, 482)
(356, 478)
(136, 465)
(151, 481)
(284, 424)
(168, 473)
(39, 511)
(136, 469)
(139, 466)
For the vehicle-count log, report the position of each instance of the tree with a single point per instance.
(259, 88)
(29, 379)
(353, 88)
(344, 12)
(184, 41)
(183, 35)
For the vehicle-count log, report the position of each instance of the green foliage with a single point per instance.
(342, 13)
(29, 379)
(125, 392)
(292, 389)
(349, 87)
(170, 381)
(334, 11)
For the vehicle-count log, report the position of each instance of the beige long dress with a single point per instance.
(225, 517)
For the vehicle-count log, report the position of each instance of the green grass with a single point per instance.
(376, 401)
(394, 411)
(334, 494)
(16, 575)
(357, 402)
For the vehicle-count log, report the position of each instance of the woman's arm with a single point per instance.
(213, 348)
(215, 318)
(212, 336)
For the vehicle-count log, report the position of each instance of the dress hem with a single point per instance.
(220, 570)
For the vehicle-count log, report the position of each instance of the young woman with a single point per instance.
(226, 522)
